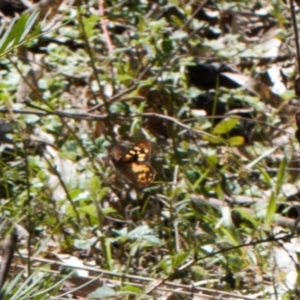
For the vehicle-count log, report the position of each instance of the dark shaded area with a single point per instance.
(43, 42)
(216, 107)
(208, 76)
(12, 7)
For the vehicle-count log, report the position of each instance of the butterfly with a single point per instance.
(134, 164)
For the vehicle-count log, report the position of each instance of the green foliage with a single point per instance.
(220, 175)
(17, 32)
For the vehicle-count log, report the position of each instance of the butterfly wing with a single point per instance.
(141, 174)
(134, 165)
(141, 152)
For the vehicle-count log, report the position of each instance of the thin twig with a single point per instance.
(136, 278)
(124, 92)
(89, 116)
(93, 61)
(103, 24)
(64, 187)
(61, 116)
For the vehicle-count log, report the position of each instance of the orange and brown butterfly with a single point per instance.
(134, 164)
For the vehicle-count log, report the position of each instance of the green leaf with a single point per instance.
(163, 264)
(90, 25)
(167, 46)
(200, 179)
(29, 24)
(17, 31)
(246, 215)
(109, 260)
(88, 210)
(225, 126)
(7, 37)
(178, 259)
(132, 289)
(214, 139)
(272, 207)
(95, 185)
(280, 175)
(124, 77)
(236, 141)
(265, 175)
(103, 192)
(231, 236)
(144, 233)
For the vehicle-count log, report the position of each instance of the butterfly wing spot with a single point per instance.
(142, 178)
(129, 156)
(138, 153)
(142, 157)
(141, 149)
(140, 168)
